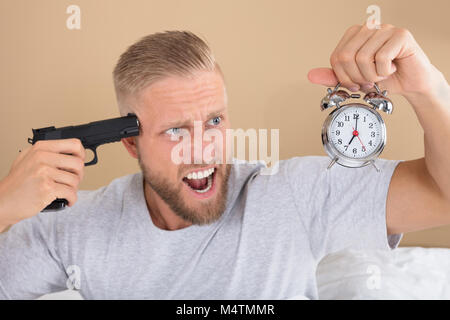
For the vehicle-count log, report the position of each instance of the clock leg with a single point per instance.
(332, 162)
(373, 163)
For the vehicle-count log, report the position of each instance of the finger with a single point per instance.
(365, 58)
(344, 78)
(62, 191)
(341, 75)
(64, 177)
(394, 48)
(67, 146)
(349, 34)
(323, 76)
(347, 55)
(61, 161)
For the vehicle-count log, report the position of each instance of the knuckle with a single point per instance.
(79, 144)
(42, 171)
(362, 57)
(354, 27)
(72, 197)
(80, 165)
(46, 187)
(82, 151)
(38, 156)
(380, 57)
(77, 181)
(402, 32)
(386, 26)
(333, 59)
(345, 56)
(38, 144)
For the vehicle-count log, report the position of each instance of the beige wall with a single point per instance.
(50, 75)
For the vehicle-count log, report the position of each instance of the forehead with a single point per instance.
(183, 97)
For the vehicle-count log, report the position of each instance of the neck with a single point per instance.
(161, 214)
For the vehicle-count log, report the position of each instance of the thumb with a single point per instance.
(323, 76)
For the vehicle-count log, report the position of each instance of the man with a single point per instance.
(220, 230)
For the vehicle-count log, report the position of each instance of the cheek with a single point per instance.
(157, 158)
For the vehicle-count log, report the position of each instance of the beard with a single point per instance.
(205, 212)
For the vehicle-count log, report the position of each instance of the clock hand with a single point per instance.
(354, 133)
(351, 140)
(359, 138)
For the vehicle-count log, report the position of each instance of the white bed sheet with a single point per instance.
(403, 273)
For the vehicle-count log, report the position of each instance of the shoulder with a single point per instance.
(304, 164)
(292, 169)
(307, 176)
(285, 176)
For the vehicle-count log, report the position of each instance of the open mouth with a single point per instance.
(200, 181)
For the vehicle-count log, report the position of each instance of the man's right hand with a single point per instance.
(43, 172)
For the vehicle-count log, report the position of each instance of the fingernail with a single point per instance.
(354, 89)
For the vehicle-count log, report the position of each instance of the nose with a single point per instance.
(206, 145)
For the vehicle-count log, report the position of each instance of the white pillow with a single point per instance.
(403, 273)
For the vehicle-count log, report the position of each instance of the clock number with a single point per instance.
(370, 143)
(364, 119)
(340, 124)
(355, 116)
(338, 132)
(371, 125)
(354, 150)
(363, 149)
(339, 141)
(372, 134)
(347, 118)
(346, 147)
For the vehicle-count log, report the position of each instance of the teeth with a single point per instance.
(207, 187)
(200, 174)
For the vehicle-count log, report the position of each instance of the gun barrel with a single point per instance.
(92, 134)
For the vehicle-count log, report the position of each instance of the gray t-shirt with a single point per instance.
(266, 245)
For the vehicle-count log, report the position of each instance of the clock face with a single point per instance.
(356, 132)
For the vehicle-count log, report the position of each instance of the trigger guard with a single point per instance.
(94, 160)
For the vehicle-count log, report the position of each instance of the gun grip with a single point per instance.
(58, 204)
(95, 159)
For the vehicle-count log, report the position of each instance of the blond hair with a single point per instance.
(156, 56)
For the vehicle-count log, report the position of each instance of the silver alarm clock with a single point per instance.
(354, 134)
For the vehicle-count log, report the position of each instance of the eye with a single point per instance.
(173, 131)
(215, 121)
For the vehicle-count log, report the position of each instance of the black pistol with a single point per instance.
(91, 135)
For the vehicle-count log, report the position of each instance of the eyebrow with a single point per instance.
(185, 123)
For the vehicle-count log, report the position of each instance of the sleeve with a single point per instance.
(342, 208)
(29, 263)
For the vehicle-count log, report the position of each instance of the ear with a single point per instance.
(130, 145)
